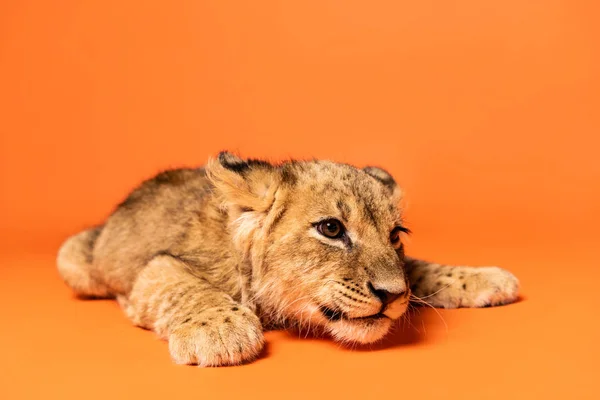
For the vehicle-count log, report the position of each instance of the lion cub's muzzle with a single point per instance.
(356, 302)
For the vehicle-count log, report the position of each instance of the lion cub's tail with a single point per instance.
(74, 263)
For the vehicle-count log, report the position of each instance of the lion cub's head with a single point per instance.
(319, 242)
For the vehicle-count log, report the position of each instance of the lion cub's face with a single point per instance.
(323, 242)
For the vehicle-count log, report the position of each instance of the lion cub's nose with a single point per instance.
(385, 296)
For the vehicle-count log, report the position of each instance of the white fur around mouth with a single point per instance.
(359, 330)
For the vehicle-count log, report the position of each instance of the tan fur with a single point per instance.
(208, 258)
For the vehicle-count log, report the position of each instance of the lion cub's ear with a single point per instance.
(386, 179)
(247, 184)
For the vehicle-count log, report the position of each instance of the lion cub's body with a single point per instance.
(173, 213)
(207, 257)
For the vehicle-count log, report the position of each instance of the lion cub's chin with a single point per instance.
(363, 331)
(359, 331)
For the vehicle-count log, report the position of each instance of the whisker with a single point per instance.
(436, 292)
(421, 301)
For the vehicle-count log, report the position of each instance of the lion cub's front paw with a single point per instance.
(452, 287)
(217, 336)
(493, 286)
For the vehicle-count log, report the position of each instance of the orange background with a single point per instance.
(487, 112)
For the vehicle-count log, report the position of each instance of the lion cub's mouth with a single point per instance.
(336, 315)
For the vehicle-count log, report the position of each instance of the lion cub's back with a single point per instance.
(157, 216)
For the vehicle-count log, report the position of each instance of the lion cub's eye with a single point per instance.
(395, 235)
(331, 228)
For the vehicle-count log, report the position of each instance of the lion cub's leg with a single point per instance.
(203, 325)
(456, 286)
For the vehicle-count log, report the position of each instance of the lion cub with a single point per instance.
(207, 257)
